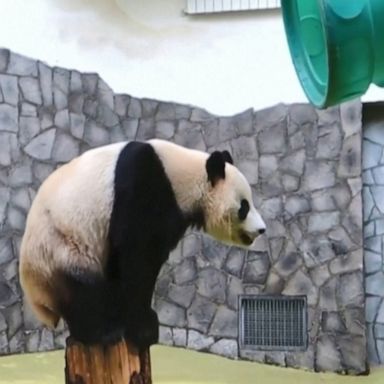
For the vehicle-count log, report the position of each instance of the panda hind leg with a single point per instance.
(46, 315)
(39, 295)
(142, 328)
(91, 307)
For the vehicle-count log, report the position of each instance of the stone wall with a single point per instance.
(373, 193)
(304, 166)
(305, 169)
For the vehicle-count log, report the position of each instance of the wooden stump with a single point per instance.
(116, 364)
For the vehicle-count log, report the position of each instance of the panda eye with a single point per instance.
(244, 209)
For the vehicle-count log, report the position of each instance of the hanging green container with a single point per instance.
(337, 47)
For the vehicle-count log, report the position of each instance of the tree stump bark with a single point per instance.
(120, 363)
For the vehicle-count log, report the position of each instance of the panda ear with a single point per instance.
(227, 157)
(215, 167)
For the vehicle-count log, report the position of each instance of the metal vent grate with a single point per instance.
(217, 6)
(273, 323)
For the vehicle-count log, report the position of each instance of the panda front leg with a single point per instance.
(142, 328)
(141, 321)
(139, 279)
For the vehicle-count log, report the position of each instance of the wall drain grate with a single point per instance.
(277, 323)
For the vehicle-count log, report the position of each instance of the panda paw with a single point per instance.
(111, 336)
(143, 330)
(90, 335)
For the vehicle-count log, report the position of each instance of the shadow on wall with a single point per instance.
(373, 181)
(105, 9)
(101, 23)
(146, 26)
(147, 29)
(155, 11)
(150, 17)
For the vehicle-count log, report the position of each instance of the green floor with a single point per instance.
(171, 366)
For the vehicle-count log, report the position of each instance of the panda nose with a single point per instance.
(252, 235)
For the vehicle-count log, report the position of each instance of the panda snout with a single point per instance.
(252, 227)
(248, 237)
(254, 234)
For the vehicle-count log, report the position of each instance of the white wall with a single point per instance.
(224, 63)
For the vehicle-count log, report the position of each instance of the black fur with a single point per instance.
(146, 224)
(91, 306)
(227, 157)
(215, 167)
(244, 209)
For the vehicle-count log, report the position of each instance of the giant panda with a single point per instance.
(102, 225)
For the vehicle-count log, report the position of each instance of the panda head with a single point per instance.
(229, 211)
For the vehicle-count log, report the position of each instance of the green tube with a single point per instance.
(336, 46)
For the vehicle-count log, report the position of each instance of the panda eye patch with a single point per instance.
(244, 209)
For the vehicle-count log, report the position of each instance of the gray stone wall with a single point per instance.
(305, 169)
(373, 193)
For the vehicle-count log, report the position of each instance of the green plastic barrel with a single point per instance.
(337, 47)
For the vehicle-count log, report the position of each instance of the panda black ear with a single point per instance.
(215, 167)
(227, 157)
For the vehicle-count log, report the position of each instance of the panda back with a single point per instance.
(78, 197)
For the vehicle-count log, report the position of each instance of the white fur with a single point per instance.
(62, 229)
(186, 170)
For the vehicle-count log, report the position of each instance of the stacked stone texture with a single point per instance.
(373, 192)
(305, 170)
(304, 167)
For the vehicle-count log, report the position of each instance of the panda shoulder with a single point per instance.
(88, 164)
